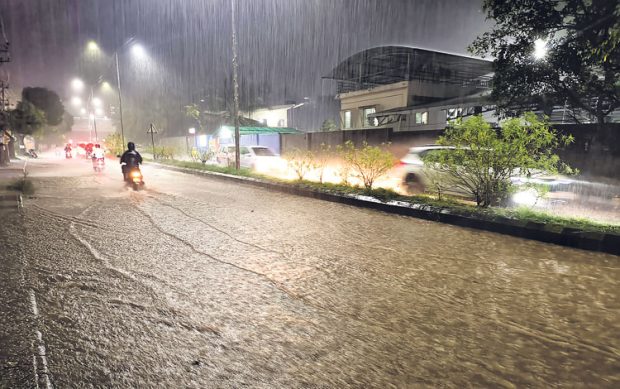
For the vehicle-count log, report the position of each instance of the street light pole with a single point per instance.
(235, 87)
(120, 100)
(92, 96)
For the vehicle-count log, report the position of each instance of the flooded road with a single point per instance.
(200, 283)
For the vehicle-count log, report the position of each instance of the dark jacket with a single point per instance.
(132, 158)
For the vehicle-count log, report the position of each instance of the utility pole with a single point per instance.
(152, 131)
(235, 86)
(120, 100)
(92, 96)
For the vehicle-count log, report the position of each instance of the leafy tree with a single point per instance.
(328, 125)
(368, 162)
(582, 61)
(47, 101)
(26, 118)
(482, 160)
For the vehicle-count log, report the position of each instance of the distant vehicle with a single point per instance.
(418, 178)
(259, 158)
(98, 164)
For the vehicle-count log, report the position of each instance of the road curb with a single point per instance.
(548, 233)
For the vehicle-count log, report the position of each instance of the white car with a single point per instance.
(258, 158)
(414, 174)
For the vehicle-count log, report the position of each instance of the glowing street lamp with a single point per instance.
(76, 101)
(77, 85)
(540, 49)
(138, 50)
(98, 112)
(92, 47)
(97, 103)
(83, 111)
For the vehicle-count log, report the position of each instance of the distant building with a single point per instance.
(275, 116)
(409, 89)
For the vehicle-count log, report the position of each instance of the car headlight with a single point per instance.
(527, 197)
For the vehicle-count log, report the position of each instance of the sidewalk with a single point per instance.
(16, 329)
(12, 171)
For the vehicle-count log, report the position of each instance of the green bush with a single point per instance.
(164, 152)
(368, 162)
(482, 160)
(301, 161)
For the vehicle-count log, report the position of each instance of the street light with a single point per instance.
(97, 102)
(540, 49)
(92, 47)
(138, 50)
(77, 85)
(76, 101)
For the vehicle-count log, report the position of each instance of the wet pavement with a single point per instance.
(195, 282)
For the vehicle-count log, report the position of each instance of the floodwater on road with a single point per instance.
(196, 282)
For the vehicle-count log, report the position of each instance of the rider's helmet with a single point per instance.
(131, 146)
(97, 145)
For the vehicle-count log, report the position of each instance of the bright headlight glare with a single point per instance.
(525, 197)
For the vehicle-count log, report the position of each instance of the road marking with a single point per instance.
(40, 350)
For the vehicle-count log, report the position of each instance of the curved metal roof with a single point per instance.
(389, 64)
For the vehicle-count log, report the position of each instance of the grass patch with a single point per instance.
(210, 168)
(454, 205)
(536, 216)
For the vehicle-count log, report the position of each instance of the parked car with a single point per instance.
(259, 158)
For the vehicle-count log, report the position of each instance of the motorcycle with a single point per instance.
(134, 177)
(98, 164)
(31, 153)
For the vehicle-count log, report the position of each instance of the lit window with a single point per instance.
(421, 117)
(367, 120)
(347, 119)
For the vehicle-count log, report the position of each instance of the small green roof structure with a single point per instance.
(229, 131)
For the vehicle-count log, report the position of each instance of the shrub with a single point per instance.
(164, 152)
(114, 143)
(301, 161)
(321, 159)
(482, 160)
(368, 162)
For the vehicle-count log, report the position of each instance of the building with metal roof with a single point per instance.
(409, 89)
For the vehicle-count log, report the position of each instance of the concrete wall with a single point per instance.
(399, 142)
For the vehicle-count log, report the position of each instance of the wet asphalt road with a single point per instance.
(195, 282)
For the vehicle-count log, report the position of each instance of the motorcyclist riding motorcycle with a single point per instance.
(98, 157)
(68, 151)
(131, 160)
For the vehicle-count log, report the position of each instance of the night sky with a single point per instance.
(285, 46)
